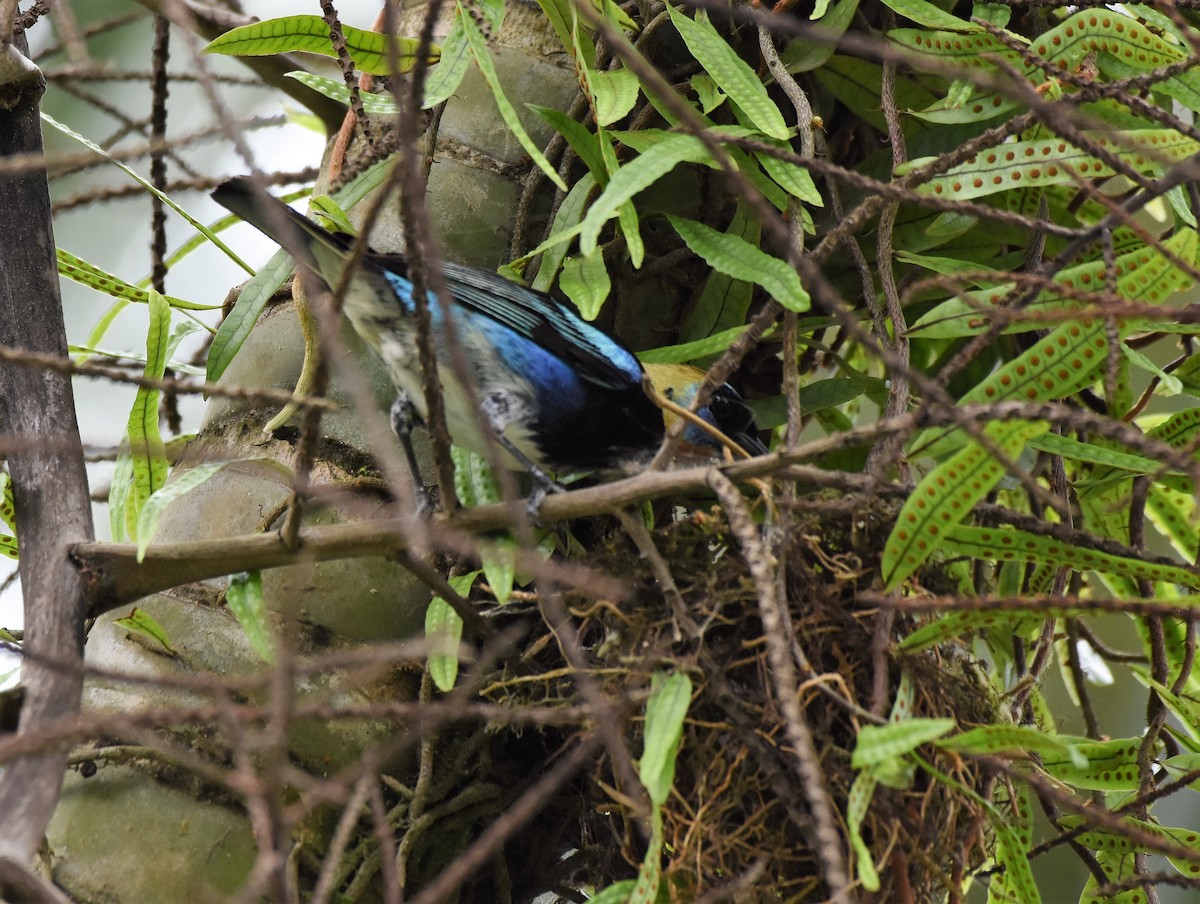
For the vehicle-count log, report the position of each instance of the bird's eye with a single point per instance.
(730, 411)
(670, 393)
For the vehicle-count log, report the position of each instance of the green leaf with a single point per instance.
(977, 107)
(906, 694)
(857, 83)
(648, 886)
(582, 43)
(84, 352)
(1168, 384)
(945, 49)
(617, 893)
(1114, 868)
(615, 91)
(236, 327)
(93, 277)
(373, 104)
(690, 351)
(1090, 453)
(724, 301)
(642, 140)
(665, 712)
(1056, 366)
(585, 281)
(821, 394)
(946, 495)
(1009, 545)
(508, 112)
(792, 178)
(120, 488)
(139, 621)
(627, 220)
(499, 559)
(1055, 161)
(1180, 430)
(640, 173)
(1013, 853)
(447, 74)
(196, 224)
(730, 72)
(1126, 40)
(1177, 198)
(766, 186)
(1111, 765)
(954, 625)
(492, 12)
(615, 16)
(364, 183)
(988, 740)
(1173, 514)
(331, 215)
(570, 212)
(584, 143)
(244, 596)
(443, 631)
(807, 53)
(1060, 364)
(734, 256)
(816, 396)
(1144, 273)
(154, 507)
(571, 32)
(148, 456)
(878, 745)
(1180, 765)
(474, 482)
(8, 506)
(369, 50)
(996, 13)
(707, 93)
(924, 13)
(1116, 842)
(858, 805)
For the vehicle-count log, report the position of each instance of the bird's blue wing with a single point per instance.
(595, 356)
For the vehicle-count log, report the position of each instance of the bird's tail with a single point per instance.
(318, 249)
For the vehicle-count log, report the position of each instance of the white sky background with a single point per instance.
(115, 235)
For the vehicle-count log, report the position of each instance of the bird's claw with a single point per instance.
(543, 486)
(424, 505)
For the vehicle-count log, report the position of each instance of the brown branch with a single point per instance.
(114, 576)
(53, 506)
(20, 883)
(517, 817)
(826, 841)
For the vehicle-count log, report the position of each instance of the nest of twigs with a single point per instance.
(740, 816)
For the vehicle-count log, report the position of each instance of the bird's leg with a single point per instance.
(403, 416)
(495, 408)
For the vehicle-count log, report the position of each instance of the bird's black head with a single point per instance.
(725, 409)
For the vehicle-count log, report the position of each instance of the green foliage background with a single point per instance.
(949, 252)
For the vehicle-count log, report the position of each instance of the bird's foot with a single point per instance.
(403, 416)
(543, 486)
